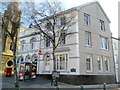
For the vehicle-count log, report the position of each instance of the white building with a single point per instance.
(86, 56)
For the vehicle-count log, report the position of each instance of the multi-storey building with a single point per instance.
(85, 56)
(7, 19)
(115, 48)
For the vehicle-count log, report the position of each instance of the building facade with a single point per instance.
(115, 48)
(85, 56)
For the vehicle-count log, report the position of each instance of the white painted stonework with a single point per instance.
(75, 52)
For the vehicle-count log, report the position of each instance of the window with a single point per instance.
(116, 58)
(11, 46)
(100, 63)
(32, 41)
(103, 43)
(49, 25)
(62, 40)
(88, 38)
(114, 46)
(63, 21)
(86, 19)
(61, 61)
(22, 44)
(47, 42)
(28, 58)
(102, 25)
(47, 58)
(89, 63)
(107, 64)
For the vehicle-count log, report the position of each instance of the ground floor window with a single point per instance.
(89, 63)
(62, 61)
(99, 63)
(107, 65)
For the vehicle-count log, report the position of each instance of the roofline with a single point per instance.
(87, 4)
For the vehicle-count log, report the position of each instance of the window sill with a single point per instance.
(104, 49)
(88, 46)
(89, 71)
(107, 71)
(100, 71)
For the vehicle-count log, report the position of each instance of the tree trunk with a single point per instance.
(54, 59)
(14, 41)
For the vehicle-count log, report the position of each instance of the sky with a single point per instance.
(109, 6)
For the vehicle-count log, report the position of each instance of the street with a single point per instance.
(43, 83)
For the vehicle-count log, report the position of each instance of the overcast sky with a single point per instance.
(110, 7)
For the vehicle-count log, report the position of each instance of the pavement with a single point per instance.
(43, 83)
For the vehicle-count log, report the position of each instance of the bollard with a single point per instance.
(58, 88)
(18, 88)
(104, 86)
(81, 87)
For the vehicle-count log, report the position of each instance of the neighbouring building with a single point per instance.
(85, 57)
(7, 54)
(115, 48)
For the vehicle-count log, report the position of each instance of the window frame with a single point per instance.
(104, 44)
(62, 21)
(65, 62)
(102, 25)
(100, 69)
(47, 42)
(90, 69)
(32, 43)
(88, 38)
(63, 38)
(86, 20)
(108, 64)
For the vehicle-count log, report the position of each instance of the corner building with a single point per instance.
(86, 57)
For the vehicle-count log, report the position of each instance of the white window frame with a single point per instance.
(87, 38)
(86, 19)
(103, 43)
(101, 63)
(32, 43)
(114, 46)
(47, 42)
(65, 62)
(23, 45)
(108, 63)
(90, 57)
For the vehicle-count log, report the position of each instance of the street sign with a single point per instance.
(40, 52)
(56, 74)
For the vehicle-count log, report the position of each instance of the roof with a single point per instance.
(89, 3)
(78, 8)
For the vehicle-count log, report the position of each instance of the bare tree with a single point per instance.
(52, 22)
(10, 26)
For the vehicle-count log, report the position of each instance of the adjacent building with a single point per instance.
(85, 56)
(115, 48)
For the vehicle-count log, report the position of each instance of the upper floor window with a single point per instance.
(114, 46)
(63, 35)
(86, 19)
(22, 44)
(102, 25)
(103, 43)
(87, 38)
(47, 42)
(49, 26)
(32, 41)
(107, 66)
(89, 63)
(63, 21)
(100, 63)
(116, 59)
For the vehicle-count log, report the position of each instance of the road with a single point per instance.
(43, 83)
